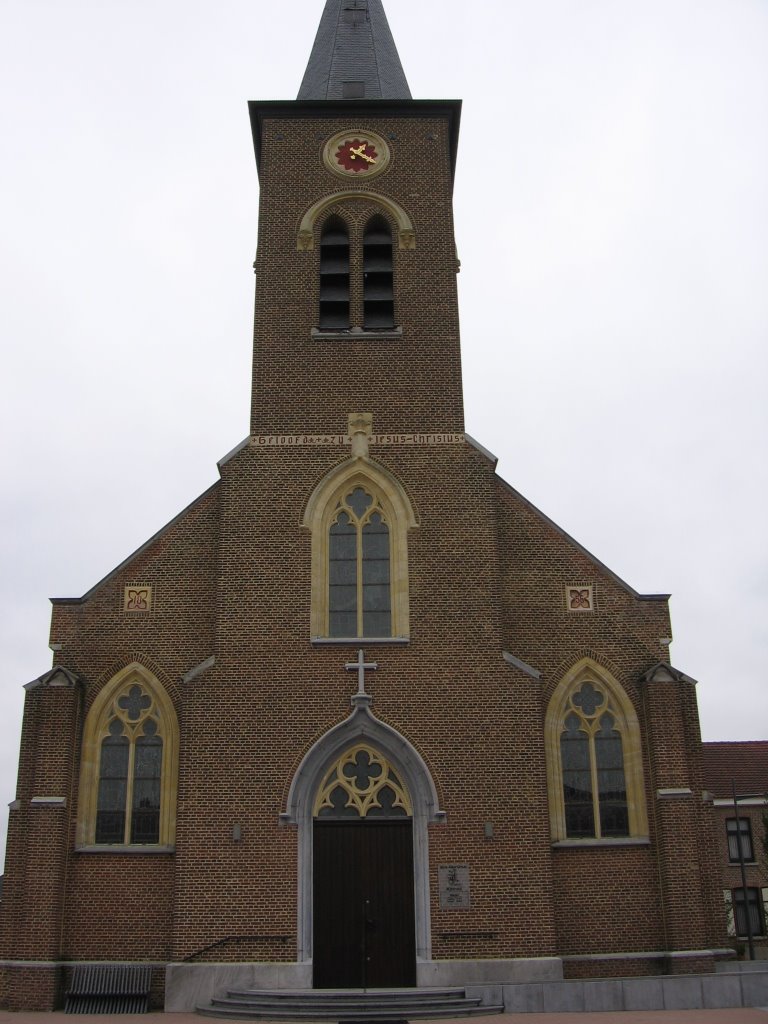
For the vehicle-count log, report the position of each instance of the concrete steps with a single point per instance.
(347, 1004)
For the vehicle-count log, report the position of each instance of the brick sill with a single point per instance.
(357, 334)
(576, 844)
(124, 848)
(358, 641)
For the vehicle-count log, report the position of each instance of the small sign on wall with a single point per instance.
(454, 886)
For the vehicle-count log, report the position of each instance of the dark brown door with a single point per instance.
(364, 934)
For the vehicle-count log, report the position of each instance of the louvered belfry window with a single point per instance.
(378, 287)
(334, 276)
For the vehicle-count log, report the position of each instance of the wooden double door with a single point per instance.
(363, 914)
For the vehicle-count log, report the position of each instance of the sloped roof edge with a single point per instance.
(580, 547)
(126, 561)
(69, 679)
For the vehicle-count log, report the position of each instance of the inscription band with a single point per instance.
(340, 440)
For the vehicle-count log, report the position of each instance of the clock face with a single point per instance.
(356, 154)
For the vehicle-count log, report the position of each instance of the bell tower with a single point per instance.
(356, 304)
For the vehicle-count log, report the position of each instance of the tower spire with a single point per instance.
(354, 55)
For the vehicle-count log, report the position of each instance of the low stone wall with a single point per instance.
(190, 985)
(671, 992)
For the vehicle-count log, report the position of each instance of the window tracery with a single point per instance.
(594, 787)
(362, 784)
(129, 765)
(359, 516)
(594, 759)
(359, 592)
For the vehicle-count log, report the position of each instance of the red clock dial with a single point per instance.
(357, 155)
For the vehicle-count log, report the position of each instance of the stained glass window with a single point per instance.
(113, 785)
(359, 584)
(592, 755)
(130, 773)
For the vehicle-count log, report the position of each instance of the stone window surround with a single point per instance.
(583, 671)
(96, 726)
(321, 508)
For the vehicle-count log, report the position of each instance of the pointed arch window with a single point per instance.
(594, 784)
(359, 576)
(594, 760)
(129, 765)
(359, 516)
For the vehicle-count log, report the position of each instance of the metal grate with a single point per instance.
(109, 988)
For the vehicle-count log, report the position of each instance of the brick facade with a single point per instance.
(745, 766)
(228, 638)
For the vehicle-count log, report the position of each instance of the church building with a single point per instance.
(361, 716)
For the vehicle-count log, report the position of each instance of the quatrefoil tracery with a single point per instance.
(360, 783)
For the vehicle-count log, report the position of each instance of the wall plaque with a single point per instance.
(454, 886)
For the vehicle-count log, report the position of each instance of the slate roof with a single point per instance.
(746, 762)
(354, 55)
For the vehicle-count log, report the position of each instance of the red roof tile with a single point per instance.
(744, 762)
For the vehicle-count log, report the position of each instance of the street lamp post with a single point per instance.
(740, 848)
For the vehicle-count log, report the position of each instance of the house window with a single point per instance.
(752, 906)
(594, 760)
(129, 765)
(735, 830)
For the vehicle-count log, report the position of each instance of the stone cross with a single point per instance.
(361, 665)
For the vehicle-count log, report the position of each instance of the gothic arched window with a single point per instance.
(359, 576)
(594, 785)
(594, 757)
(128, 774)
(359, 516)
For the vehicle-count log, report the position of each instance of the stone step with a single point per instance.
(392, 994)
(287, 1013)
(346, 1005)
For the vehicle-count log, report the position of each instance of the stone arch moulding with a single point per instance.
(305, 237)
(585, 669)
(399, 512)
(362, 724)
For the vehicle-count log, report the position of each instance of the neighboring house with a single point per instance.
(744, 765)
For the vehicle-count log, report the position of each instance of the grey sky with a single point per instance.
(611, 214)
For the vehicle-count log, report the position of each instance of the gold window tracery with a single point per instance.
(129, 765)
(595, 777)
(362, 784)
(359, 577)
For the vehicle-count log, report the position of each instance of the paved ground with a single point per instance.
(742, 1016)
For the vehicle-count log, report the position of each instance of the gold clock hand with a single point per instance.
(362, 154)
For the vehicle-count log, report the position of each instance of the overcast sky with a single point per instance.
(611, 217)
